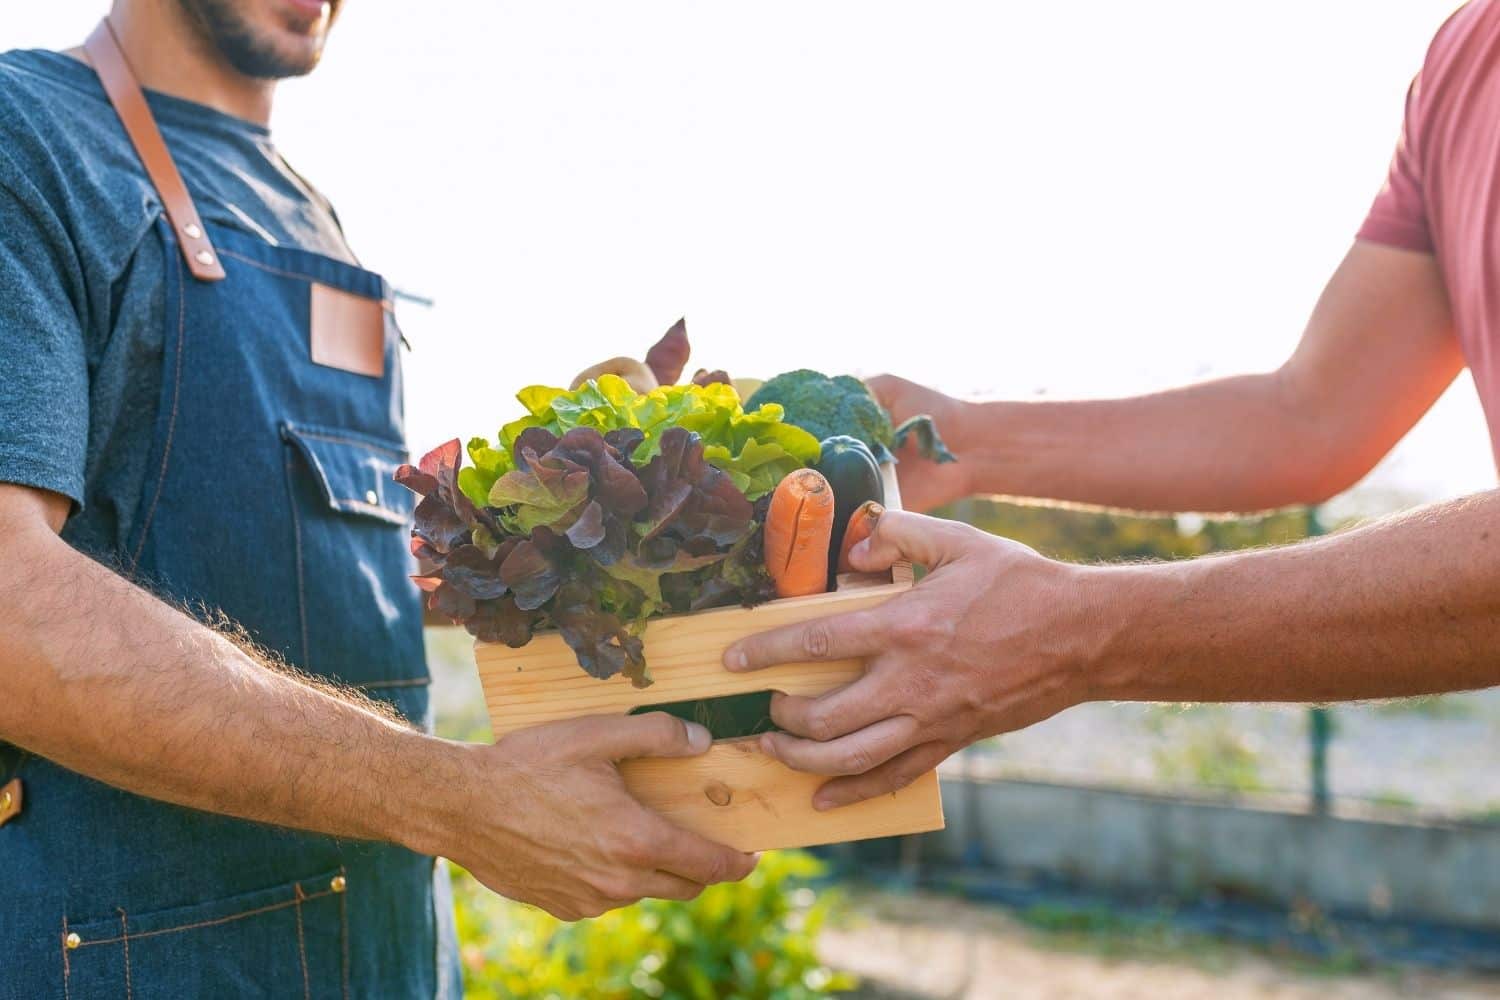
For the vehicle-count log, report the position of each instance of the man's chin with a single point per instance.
(289, 66)
(276, 58)
(265, 42)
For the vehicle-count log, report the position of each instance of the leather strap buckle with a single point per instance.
(125, 94)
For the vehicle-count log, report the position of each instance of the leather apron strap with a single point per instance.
(130, 104)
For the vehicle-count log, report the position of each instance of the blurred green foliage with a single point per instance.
(1102, 929)
(1393, 800)
(1200, 746)
(1430, 706)
(751, 940)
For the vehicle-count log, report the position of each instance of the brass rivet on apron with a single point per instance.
(5, 800)
(72, 941)
(371, 497)
(204, 257)
(191, 231)
(338, 883)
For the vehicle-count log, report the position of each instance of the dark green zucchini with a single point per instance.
(850, 468)
(729, 717)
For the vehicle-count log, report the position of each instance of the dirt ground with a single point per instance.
(923, 947)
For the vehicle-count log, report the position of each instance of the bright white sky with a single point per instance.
(1077, 198)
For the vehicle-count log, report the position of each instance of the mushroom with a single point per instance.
(635, 373)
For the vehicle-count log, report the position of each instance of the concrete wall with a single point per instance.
(1150, 844)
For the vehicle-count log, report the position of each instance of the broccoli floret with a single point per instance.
(825, 407)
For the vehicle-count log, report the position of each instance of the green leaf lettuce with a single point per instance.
(755, 449)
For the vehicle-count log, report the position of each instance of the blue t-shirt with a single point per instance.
(82, 272)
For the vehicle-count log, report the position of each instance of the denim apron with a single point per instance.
(269, 501)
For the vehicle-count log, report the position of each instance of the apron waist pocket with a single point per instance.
(294, 934)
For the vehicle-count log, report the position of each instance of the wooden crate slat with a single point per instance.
(541, 682)
(738, 796)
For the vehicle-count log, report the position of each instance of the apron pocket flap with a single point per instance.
(354, 471)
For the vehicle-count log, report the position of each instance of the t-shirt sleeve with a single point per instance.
(1398, 217)
(44, 383)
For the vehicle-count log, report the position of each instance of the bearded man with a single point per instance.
(216, 776)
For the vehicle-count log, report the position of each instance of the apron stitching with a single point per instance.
(125, 948)
(207, 923)
(302, 945)
(161, 479)
(297, 547)
(385, 303)
(67, 995)
(267, 267)
(341, 439)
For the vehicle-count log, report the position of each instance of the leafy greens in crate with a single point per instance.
(600, 508)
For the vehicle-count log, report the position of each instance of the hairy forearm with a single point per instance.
(105, 679)
(1405, 606)
(1231, 444)
(99, 676)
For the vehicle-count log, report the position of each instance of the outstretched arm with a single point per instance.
(101, 677)
(1377, 352)
(996, 637)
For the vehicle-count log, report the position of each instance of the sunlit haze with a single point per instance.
(1001, 199)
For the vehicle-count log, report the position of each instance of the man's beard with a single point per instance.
(223, 26)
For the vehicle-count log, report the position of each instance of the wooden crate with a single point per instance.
(734, 793)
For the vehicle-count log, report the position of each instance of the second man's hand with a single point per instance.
(988, 642)
(926, 484)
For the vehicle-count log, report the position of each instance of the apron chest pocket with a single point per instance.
(289, 939)
(360, 613)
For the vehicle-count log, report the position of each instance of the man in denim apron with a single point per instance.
(200, 411)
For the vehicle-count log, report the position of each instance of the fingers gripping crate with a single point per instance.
(734, 793)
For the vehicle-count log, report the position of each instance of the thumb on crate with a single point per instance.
(655, 734)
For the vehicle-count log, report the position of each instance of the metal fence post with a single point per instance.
(1319, 720)
(1321, 728)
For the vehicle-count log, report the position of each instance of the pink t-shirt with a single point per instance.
(1442, 195)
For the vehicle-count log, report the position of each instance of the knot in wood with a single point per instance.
(718, 793)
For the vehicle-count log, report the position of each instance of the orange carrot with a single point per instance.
(799, 530)
(861, 526)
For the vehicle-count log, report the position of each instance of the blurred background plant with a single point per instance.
(1199, 745)
(753, 940)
